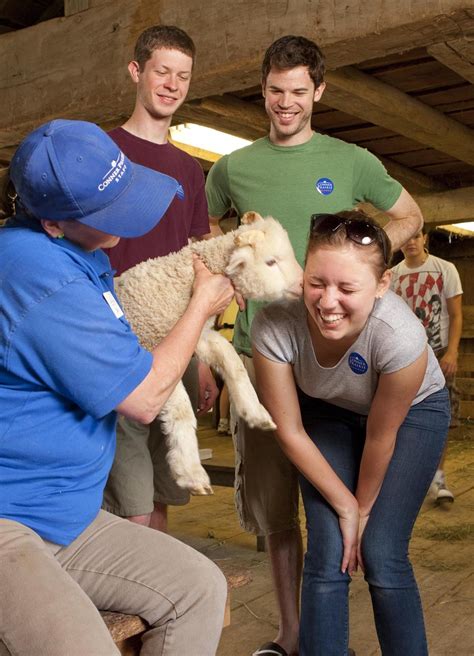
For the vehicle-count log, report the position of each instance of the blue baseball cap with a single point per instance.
(72, 170)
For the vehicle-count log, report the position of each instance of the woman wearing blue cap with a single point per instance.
(68, 362)
(362, 411)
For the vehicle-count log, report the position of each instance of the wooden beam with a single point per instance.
(413, 181)
(438, 208)
(244, 113)
(457, 55)
(75, 66)
(444, 207)
(456, 230)
(210, 115)
(205, 157)
(361, 95)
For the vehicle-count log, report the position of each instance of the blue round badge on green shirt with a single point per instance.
(357, 363)
(325, 186)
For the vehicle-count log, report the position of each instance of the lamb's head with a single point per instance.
(263, 265)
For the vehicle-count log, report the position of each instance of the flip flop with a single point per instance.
(270, 649)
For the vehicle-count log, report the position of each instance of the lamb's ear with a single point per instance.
(248, 238)
(236, 263)
(250, 217)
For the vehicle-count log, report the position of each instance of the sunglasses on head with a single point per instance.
(360, 232)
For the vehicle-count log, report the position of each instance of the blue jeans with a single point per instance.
(340, 435)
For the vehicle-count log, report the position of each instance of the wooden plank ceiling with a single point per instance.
(411, 106)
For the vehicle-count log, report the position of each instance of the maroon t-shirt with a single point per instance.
(183, 219)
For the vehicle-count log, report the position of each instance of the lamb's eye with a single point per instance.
(271, 262)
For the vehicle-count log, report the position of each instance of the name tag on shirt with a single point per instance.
(113, 305)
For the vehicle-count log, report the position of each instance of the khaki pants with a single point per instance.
(49, 593)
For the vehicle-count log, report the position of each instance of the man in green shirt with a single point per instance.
(292, 174)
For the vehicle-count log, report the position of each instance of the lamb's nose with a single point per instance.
(297, 288)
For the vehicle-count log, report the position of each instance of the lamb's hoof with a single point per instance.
(262, 420)
(201, 490)
(196, 481)
(268, 425)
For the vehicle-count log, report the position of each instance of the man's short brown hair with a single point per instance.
(292, 51)
(162, 36)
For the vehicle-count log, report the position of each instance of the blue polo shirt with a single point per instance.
(66, 361)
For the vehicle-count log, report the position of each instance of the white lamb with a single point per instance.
(259, 260)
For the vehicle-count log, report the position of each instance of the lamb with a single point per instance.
(259, 260)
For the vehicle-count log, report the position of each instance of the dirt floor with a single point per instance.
(442, 552)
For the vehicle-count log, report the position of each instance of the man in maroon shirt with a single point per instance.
(140, 485)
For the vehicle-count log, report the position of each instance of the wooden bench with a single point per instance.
(126, 630)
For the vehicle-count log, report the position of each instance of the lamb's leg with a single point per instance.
(179, 426)
(215, 350)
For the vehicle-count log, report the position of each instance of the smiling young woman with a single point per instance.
(362, 411)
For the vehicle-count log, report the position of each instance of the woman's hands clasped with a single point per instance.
(349, 525)
(352, 526)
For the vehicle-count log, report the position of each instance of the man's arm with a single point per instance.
(216, 229)
(219, 197)
(405, 220)
(449, 361)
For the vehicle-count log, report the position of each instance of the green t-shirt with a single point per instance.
(292, 183)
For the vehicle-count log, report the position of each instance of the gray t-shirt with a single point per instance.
(391, 339)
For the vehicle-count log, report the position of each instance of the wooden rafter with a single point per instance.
(205, 157)
(361, 95)
(227, 114)
(438, 208)
(457, 55)
(67, 73)
(451, 206)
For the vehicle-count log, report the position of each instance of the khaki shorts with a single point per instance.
(140, 474)
(266, 482)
